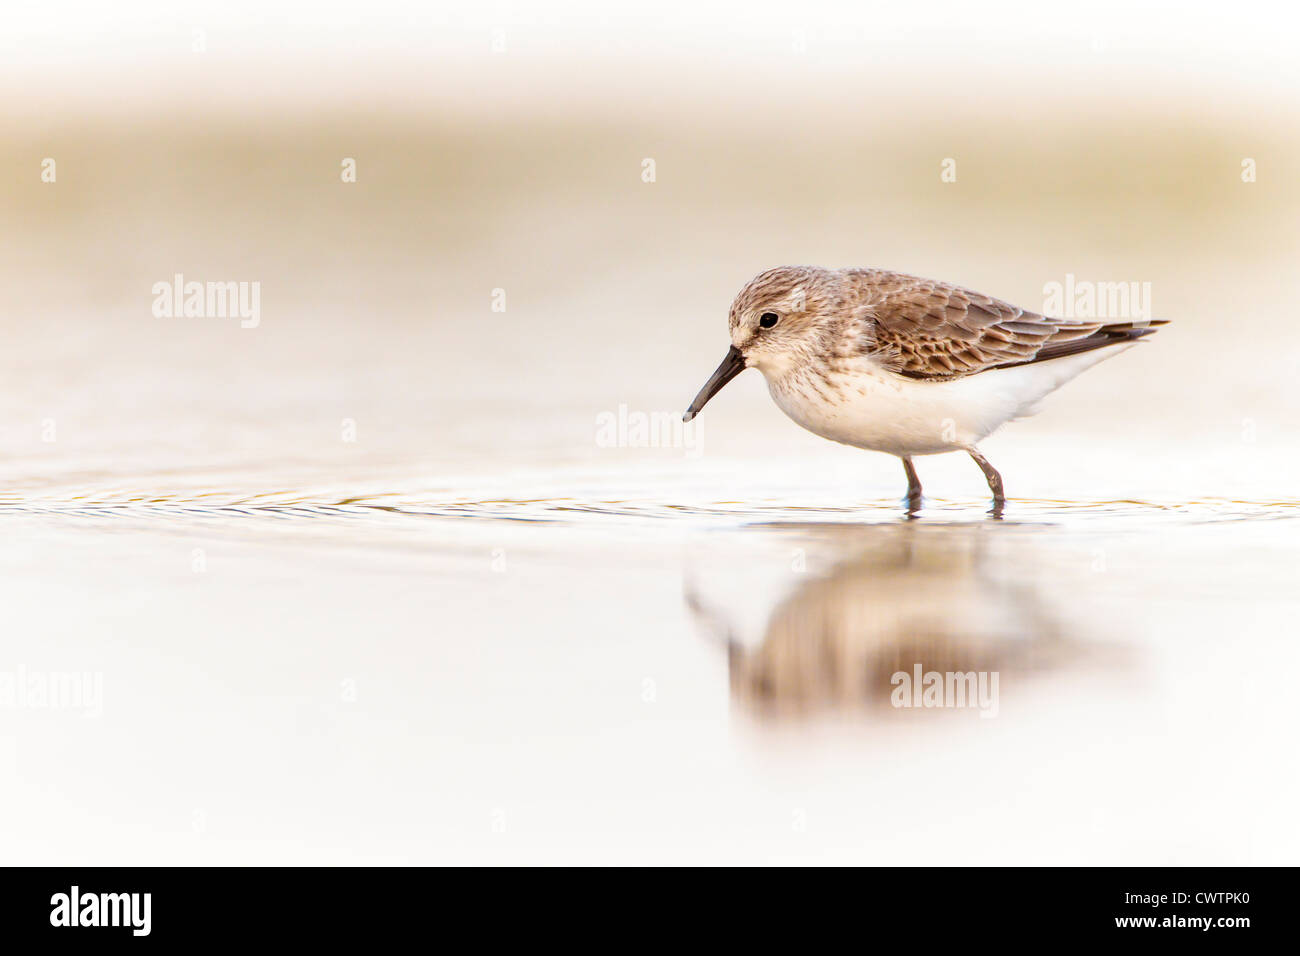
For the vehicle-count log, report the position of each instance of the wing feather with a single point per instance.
(932, 330)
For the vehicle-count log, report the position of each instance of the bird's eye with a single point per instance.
(768, 319)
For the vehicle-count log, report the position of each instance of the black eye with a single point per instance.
(768, 319)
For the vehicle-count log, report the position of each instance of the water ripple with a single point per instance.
(286, 506)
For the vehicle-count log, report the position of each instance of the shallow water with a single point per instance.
(634, 511)
(629, 677)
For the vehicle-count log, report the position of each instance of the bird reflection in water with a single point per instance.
(899, 600)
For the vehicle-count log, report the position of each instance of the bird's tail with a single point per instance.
(1112, 333)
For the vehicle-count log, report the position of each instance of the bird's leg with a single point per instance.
(913, 487)
(994, 479)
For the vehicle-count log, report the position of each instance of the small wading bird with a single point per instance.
(903, 365)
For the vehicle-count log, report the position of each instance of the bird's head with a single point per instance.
(781, 318)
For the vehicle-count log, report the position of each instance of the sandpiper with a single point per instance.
(904, 365)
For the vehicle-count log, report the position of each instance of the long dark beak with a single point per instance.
(731, 366)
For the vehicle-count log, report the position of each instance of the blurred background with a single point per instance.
(393, 574)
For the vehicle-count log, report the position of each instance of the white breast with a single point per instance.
(872, 408)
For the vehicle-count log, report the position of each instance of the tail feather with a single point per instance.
(1115, 333)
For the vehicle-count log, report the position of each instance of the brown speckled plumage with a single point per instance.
(922, 328)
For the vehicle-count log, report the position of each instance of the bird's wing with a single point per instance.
(932, 330)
